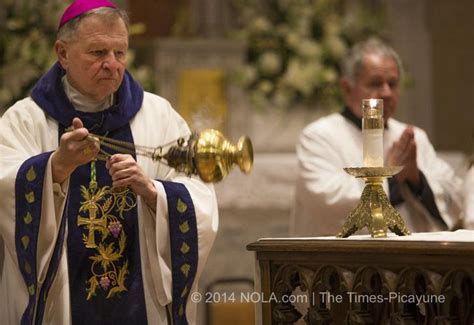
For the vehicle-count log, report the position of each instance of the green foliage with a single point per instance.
(294, 47)
(27, 36)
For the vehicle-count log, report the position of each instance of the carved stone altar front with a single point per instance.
(365, 281)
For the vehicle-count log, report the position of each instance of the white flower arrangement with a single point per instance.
(294, 48)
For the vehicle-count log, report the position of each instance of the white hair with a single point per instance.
(352, 64)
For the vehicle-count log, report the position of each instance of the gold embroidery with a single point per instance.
(181, 310)
(185, 248)
(25, 240)
(28, 218)
(92, 224)
(181, 206)
(31, 174)
(30, 197)
(31, 289)
(185, 291)
(108, 269)
(184, 227)
(92, 287)
(185, 268)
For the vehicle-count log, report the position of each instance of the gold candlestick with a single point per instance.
(374, 210)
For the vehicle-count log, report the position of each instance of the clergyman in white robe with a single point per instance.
(27, 131)
(326, 194)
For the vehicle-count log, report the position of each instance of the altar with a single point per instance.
(425, 278)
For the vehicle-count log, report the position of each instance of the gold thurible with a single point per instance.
(207, 154)
(210, 155)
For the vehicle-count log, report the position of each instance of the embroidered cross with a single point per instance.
(92, 225)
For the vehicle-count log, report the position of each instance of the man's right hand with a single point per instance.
(75, 149)
(403, 153)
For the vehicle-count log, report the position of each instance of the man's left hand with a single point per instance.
(125, 172)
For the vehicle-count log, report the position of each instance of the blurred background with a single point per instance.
(267, 68)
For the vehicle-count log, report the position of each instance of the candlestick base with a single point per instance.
(374, 210)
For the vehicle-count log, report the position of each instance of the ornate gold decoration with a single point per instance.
(28, 218)
(374, 210)
(31, 290)
(184, 227)
(185, 248)
(30, 197)
(207, 154)
(213, 156)
(25, 240)
(185, 268)
(181, 206)
(92, 225)
(361, 172)
(98, 204)
(31, 174)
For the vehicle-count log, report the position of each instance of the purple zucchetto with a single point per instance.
(79, 7)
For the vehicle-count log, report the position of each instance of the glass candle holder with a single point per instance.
(372, 132)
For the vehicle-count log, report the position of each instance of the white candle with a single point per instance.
(372, 132)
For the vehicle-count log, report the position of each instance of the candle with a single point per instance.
(372, 132)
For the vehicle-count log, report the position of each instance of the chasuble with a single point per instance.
(81, 252)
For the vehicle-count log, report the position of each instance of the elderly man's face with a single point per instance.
(379, 78)
(95, 60)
